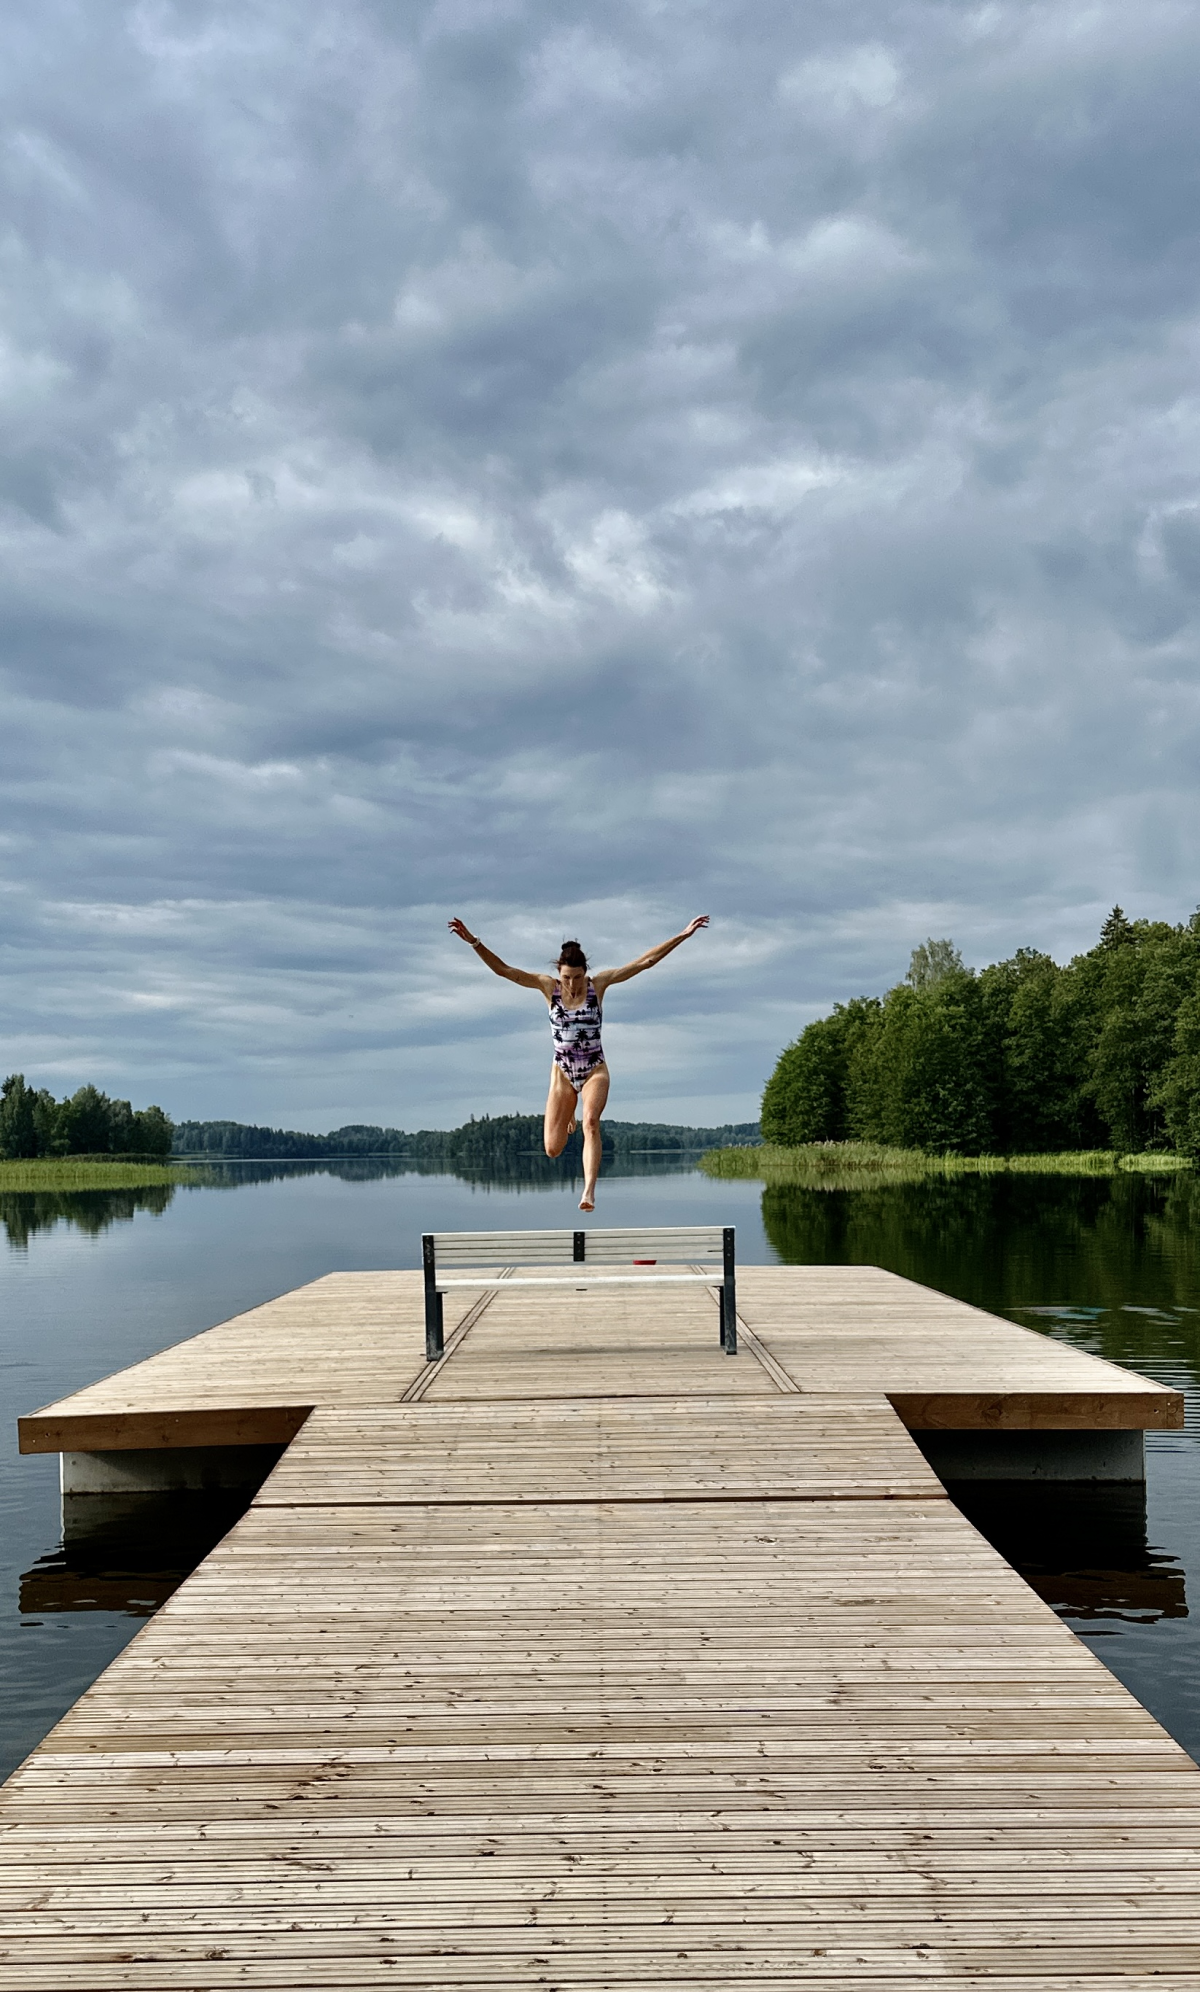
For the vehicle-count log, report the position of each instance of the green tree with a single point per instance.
(866, 1073)
(47, 1118)
(805, 1097)
(18, 1129)
(1134, 983)
(153, 1131)
(84, 1122)
(1177, 1093)
(122, 1128)
(817, 1090)
(931, 963)
(89, 1123)
(1026, 1056)
(1117, 931)
(937, 1066)
(915, 1070)
(1042, 1036)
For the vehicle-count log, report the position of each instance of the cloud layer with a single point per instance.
(464, 458)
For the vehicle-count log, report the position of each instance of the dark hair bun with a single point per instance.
(571, 955)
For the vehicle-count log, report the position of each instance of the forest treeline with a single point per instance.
(33, 1122)
(1024, 1057)
(488, 1141)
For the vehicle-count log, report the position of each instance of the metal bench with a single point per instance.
(443, 1251)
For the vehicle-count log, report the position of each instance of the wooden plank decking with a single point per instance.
(358, 1339)
(605, 1687)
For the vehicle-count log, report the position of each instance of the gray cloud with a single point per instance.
(577, 474)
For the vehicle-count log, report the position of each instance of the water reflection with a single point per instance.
(1085, 1549)
(1109, 1264)
(126, 1552)
(23, 1213)
(529, 1171)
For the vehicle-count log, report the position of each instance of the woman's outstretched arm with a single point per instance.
(650, 959)
(498, 967)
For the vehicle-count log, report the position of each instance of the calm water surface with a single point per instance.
(92, 1282)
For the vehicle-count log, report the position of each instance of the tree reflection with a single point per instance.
(24, 1212)
(1110, 1264)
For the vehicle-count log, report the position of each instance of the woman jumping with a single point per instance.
(579, 1076)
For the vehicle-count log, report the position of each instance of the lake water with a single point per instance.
(92, 1282)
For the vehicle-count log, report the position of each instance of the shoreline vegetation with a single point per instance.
(85, 1127)
(510, 1144)
(856, 1165)
(818, 1165)
(1023, 1058)
(489, 1142)
(91, 1172)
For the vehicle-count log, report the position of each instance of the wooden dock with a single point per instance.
(357, 1339)
(596, 1659)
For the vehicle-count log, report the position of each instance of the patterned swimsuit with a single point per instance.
(576, 1033)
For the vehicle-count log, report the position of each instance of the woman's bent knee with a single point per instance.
(554, 1152)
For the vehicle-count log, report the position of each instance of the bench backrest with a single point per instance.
(564, 1248)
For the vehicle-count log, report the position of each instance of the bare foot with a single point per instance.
(587, 1201)
(572, 1124)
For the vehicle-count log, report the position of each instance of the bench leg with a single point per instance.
(728, 1309)
(729, 1295)
(728, 1323)
(435, 1340)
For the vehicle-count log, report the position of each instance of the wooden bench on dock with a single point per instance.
(583, 1251)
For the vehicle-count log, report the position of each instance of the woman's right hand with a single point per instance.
(464, 932)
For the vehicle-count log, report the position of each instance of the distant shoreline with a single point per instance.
(492, 1139)
(62, 1173)
(412, 1155)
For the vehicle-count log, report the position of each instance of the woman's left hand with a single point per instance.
(694, 926)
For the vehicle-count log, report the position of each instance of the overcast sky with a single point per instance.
(577, 468)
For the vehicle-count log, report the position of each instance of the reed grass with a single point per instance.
(70, 1172)
(857, 1164)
